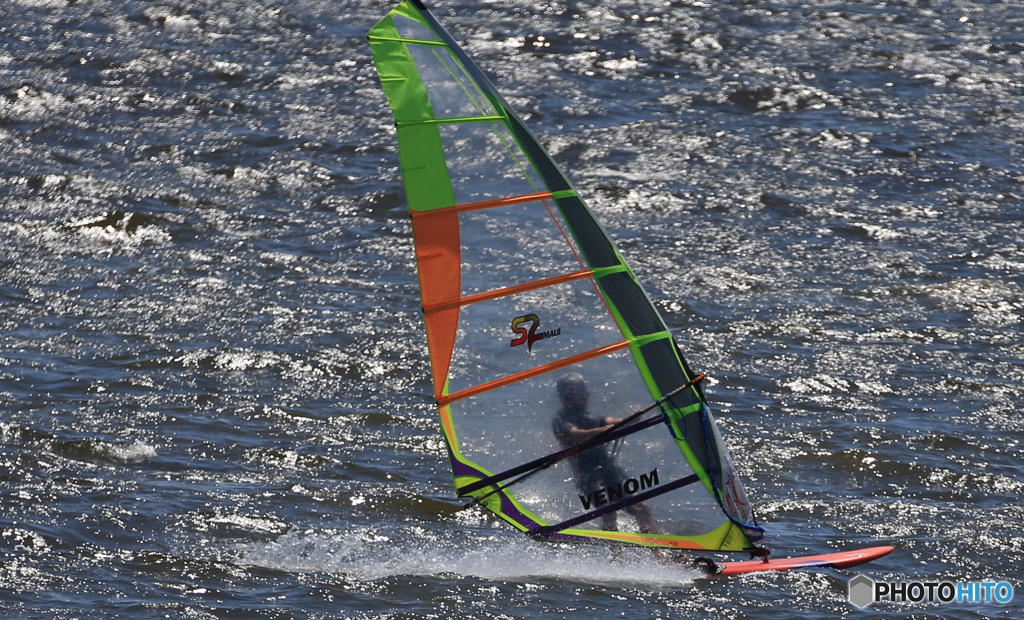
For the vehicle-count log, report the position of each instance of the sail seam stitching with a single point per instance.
(600, 272)
(649, 338)
(450, 121)
(373, 38)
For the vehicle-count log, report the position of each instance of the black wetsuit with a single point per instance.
(594, 467)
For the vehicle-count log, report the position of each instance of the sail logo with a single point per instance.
(734, 505)
(600, 497)
(531, 335)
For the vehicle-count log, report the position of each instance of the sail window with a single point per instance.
(484, 162)
(512, 334)
(412, 29)
(451, 94)
(510, 245)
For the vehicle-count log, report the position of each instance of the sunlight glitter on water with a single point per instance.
(214, 375)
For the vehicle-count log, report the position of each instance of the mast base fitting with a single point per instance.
(707, 566)
(760, 552)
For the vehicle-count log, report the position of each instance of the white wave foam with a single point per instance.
(125, 453)
(259, 525)
(143, 235)
(370, 555)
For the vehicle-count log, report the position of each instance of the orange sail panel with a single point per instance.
(437, 254)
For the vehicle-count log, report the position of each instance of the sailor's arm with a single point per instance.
(579, 435)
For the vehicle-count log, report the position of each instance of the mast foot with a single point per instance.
(760, 552)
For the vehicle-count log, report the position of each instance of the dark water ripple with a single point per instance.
(215, 399)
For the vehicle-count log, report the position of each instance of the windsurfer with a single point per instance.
(595, 469)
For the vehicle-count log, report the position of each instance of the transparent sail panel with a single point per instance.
(485, 163)
(512, 245)
(503, 336)
(451, 94)
(689, 511)
(555, 496)
(511, 425)
(411, 29)
(517, 423)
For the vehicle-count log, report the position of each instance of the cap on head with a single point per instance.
(571, 385)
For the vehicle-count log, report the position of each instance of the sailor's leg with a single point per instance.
(644, 518)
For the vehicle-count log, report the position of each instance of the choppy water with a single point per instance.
(214, 384)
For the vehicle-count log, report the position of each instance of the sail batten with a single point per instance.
(621, 504)
(446, 399)
(554, 457)
(522, 291)
(510, 290)
(486, 204)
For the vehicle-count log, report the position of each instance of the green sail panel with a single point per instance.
(523, 291)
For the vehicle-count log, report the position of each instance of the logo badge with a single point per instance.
(861, 591)
(864, 591)
(530, 336)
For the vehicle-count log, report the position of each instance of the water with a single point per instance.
(214, 383)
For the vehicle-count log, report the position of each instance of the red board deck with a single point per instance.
(843, 559)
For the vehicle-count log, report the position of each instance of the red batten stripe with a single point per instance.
(533, 372)
(509, 290)
(485, 204)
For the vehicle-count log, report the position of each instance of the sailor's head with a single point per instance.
(572, 389)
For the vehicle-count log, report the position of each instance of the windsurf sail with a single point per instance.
(523, 289)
